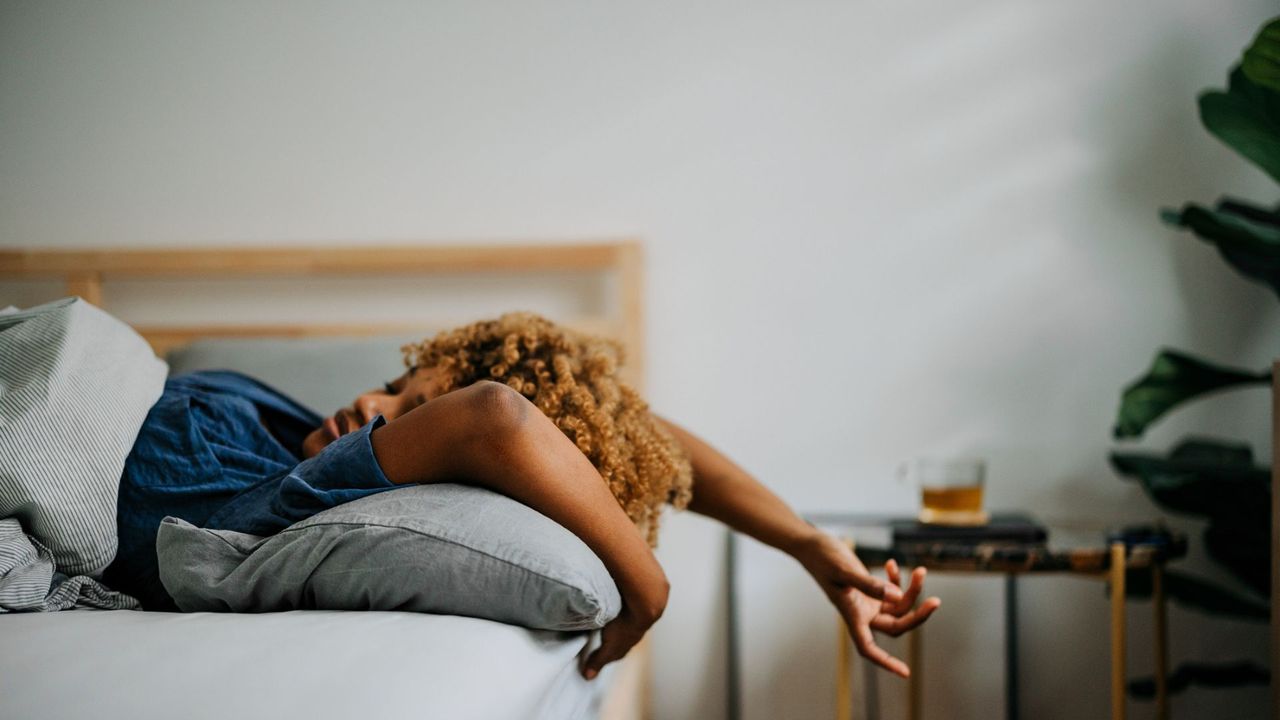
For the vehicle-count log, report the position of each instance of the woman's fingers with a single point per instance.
(616, 640)
(897, 625)
(894, 573)
(913, 589)
(895, 616)
(609, 650)
(867, 648)
(836, 568)
(872, 586)
(860, 630)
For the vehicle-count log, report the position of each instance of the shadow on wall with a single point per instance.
(1164, 158)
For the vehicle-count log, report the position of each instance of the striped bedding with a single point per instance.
(75, 386)
(29, 582)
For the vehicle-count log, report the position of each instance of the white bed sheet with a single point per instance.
(305, 664)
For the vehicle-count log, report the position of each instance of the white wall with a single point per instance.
(874, 229)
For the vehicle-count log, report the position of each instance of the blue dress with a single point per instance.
(222, 450)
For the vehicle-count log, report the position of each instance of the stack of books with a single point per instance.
(1013, 529)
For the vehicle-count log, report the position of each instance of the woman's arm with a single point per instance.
(726, 492)
(490, 435)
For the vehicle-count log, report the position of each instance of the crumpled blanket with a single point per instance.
(29, 582)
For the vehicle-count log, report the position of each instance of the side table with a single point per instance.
(1083, 552)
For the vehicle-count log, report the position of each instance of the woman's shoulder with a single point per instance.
(214, 380)
(233, 388)
(204, 397)
(229, 409)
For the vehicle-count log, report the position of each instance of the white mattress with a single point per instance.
(305, 664)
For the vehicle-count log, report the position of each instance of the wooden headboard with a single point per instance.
(90, 273)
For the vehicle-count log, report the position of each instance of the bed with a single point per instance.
(316, 664)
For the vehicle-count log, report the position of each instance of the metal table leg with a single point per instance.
(1162, 641)
(871, 690)
(844, 681)
(1011, 646)
(915, 683)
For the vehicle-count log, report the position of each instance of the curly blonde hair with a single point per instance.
(573, 379)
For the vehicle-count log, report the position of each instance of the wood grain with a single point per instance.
(1118, 644)
(345, 261)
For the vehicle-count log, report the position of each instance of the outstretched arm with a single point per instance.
(489, 435)
(726, 492)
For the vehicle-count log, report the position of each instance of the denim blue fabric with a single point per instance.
(222, 450)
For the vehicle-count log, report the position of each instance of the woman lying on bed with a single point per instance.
(517, 405)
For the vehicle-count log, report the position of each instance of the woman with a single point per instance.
(517, 405)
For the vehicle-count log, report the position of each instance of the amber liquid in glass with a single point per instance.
(958, 505)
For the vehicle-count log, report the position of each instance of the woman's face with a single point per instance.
(395, 398)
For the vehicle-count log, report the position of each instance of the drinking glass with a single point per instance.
(950, 489)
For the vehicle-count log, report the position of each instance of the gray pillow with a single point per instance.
(75, 386)
(321, 373)
(443, 548)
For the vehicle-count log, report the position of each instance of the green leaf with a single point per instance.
(1247, 237)
(1261, 61)
(1196, 594)
(1202, 477)
(1172, 379)
(1214, 675)
(1247, 118)
(1218, 480)
(1243, 546)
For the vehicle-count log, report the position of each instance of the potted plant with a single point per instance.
(1214, 478)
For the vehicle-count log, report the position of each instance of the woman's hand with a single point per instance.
(864, 602)
(726, 492)
(619, 636)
